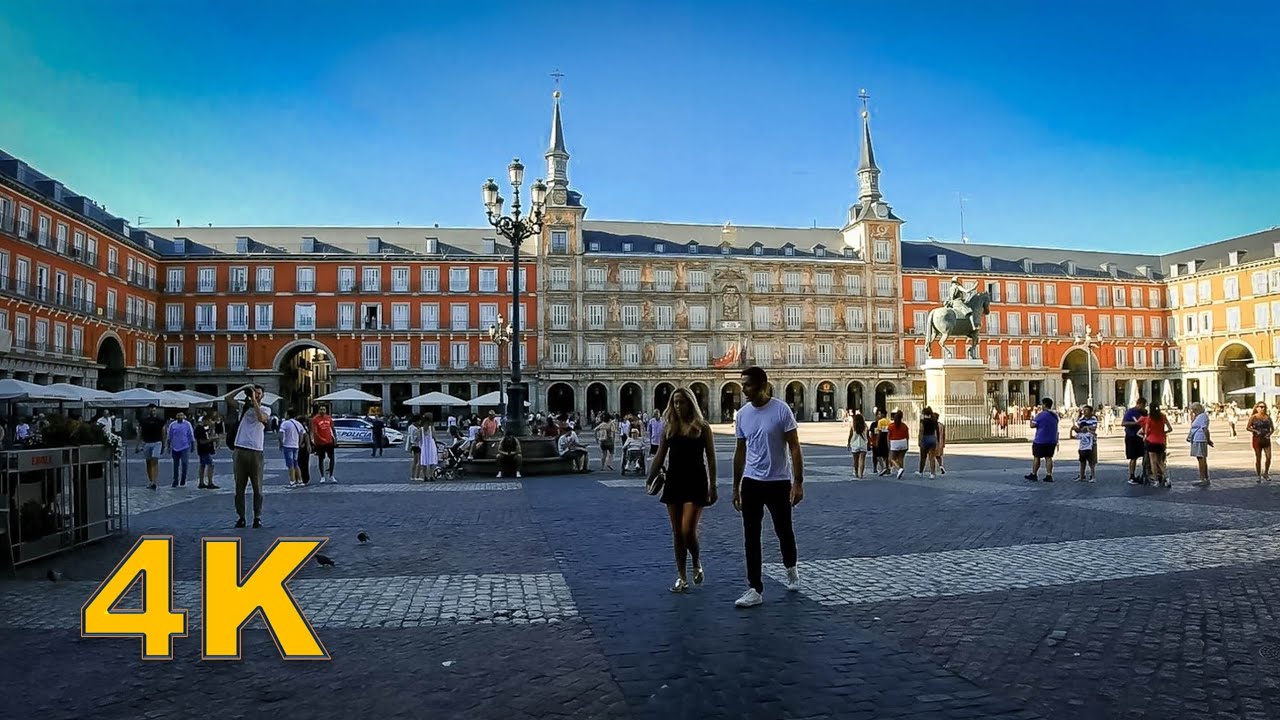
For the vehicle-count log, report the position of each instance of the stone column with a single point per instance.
(811, 400)
(386, 398)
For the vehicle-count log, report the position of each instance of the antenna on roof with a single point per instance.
(963, 238)
(142, 219)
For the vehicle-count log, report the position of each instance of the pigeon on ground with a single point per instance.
(53, 575)
(363, 537)
(325, 560)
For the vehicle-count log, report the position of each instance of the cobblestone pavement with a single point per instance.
(972, 595)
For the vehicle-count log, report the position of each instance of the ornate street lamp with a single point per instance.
(1088, 341)
(500, 336)
(516, 229)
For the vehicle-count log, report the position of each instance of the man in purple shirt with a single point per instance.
(1045, 442)
(181, 438)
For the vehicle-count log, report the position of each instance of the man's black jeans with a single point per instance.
(756, 496)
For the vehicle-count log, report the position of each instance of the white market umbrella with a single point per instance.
(1253, 390)
(11, 389)
(1166, 394)
(349, 395)
(80, 392)
(491, 398)
(142, 397)
(1069, 394)
(1132, 393)
(436, 399)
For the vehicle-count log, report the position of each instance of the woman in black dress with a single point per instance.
(688, 453)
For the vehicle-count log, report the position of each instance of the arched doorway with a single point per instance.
(630, 399)
(597, 398)
(826, 397)
(1076, 378)
(1234, 372)
(662, 396)
(795, 398)
(111, 358)
(560, 399)
(884, 391)
(853, 395)
(1193, 389)
(702, 395)
(730, 400)
(306, 372)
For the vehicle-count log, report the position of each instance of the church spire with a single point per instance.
(557, 156)
(868, 171)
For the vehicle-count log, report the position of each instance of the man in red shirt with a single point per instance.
(323, 442)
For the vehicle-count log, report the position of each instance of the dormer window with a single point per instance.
(848, 252)
(725, 249)
(180, 245)
(659, 247)
(1026, 265)
(308, 244)
(1071, 267)
(593, 246)
(757, 250)
(986, 263)
(820, 252)
(626, 247)
(693, 248)
(788, 251)
(941, 261)
(242, 244)
(490, 246)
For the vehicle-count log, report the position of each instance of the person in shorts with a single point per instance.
(291, 432)
(1198, 437)
(206, 446)
(1134, 449)
(323, 442)
(1155, 429)
(1045, 442)
(1086, 432)
(1261, 428)
(858, 443)
(151, 433)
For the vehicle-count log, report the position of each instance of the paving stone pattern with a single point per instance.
(972, 595)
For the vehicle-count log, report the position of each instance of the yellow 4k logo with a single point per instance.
(229, 601)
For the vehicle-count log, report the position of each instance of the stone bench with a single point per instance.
(540, 457)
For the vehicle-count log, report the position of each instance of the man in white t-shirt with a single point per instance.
(291, 433)
(766, 432)
(250, 435)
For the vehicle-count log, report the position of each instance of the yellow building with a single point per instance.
(1225, 302)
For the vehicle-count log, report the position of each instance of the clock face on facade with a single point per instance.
(882, 210)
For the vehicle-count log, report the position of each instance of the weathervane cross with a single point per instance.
(864, 97)
(557, 75)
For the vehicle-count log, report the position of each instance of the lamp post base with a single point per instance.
(517, 393)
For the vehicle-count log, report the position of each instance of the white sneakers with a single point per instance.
(793, 579)
(900, 471)
(324, 479)
(751, 598)
(518, 474)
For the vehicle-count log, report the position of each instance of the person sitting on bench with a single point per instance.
(509, 457)
(572, 449)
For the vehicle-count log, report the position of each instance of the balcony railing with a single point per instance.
(304, 324)
(306, 286)
(113, 268)
(371, 287)
(238, 286)
(347, 286)
(173, 288)
(173, 327)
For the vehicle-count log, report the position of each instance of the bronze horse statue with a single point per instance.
(943, 324)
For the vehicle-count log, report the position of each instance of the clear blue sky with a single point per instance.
(1143, 125)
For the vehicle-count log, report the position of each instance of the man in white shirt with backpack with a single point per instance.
(766, 432)
(292, 435)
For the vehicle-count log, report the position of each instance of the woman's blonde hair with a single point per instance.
(688, 427)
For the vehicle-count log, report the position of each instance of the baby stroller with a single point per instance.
(633, 460)
(450, 463)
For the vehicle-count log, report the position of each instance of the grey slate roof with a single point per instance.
(676, 237)
(1256, 246)
(398, 240)
(967, 257)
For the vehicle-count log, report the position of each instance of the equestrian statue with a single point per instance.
(961, 314)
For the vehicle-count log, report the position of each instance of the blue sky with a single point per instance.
(1148, 126)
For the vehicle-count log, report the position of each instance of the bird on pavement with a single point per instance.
(363, 537)
(325, 560)
(53, 575)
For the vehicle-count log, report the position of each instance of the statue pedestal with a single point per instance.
(956, 389)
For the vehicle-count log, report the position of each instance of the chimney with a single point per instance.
(431, 246)
(490, 246)
(308, 244)
(1235, 256)
(242, 243)
(375, 244)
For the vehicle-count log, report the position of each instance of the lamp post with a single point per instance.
(1088, 341)
(500, 336)
(516, 229)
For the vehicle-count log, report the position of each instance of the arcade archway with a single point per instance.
(306, 370)
(1234, 372)
(560, 399)
(1075, 370)
(795, 398)
(826, 397)
(702, 395)
(111, 358)
(662, 396)
(597, 398)
(630, 399)
(884, 391)
(730, 400)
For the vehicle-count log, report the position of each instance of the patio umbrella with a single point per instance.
(349, 395)
(1131, 394)
(1069, 395)
(436, 399)
(1253, 390)
(80, 392)
(491, 398)
(1166, 394)
(11, 389)
(142, 397)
